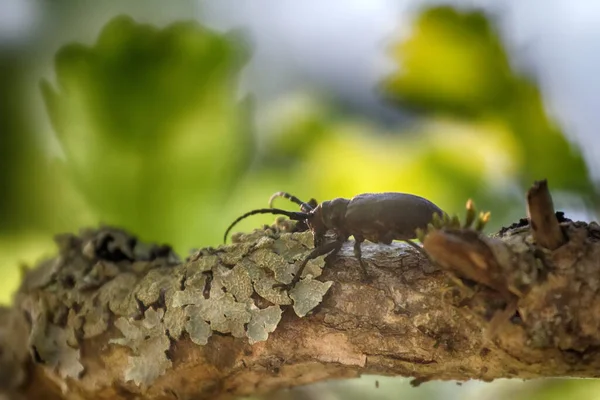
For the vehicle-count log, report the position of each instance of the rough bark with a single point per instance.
(111, 317)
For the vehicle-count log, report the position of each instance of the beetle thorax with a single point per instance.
(333, 213)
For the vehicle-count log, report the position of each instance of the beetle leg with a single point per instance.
(433, 264)
(358, 254)
(420, 249)
(417, 247)
(318, 240)
(334, 247)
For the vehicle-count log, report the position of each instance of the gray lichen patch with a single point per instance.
(196, 281)
(75, 296)
(118, 295)
(150, 364)
(265, 289)
(235, 281)
(293, 246)
(202, 264)
(42, 275)
(276, 262)
(307, 294)
(134, 331)
(107, 277)
(221, 311)
(174, 320)
(149, 342)
(184, 297)
(253, 236)
(264, 283)
(306, 239)
(263, 322)
(233, 255)
(282, 270)
(264, 242)
(196, 271)
(284, 256)
(314, 268)
(224, 314)
(158, 282)
(95, 320)
(198, 329)
(49, 342)
(101, 272)
(57, 353)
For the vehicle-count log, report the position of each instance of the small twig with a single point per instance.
(542, 219)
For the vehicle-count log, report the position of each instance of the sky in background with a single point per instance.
(338, 47)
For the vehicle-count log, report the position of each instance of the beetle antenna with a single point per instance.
(296, 216)
(305, 207)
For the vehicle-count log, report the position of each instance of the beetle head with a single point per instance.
(329, 215)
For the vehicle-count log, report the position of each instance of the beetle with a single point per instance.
(376, 217)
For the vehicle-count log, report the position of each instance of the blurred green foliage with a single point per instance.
(557, 389)
(453, 62)
(454, 65)
(25, 177)
(151, 126)
(35, 200)
(156, 139)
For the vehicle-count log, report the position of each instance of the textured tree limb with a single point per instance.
(113, 318)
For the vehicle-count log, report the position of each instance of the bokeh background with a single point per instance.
(171, 119)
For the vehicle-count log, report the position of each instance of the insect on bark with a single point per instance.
(376, 217)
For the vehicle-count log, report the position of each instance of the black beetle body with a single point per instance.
(376, 217)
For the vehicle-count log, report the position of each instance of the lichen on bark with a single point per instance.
(105, 279)
(106, 319)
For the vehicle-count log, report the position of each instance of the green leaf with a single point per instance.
(454, 66)
(152, 126)
(452, 62)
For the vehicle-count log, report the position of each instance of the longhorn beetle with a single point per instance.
(376, 217)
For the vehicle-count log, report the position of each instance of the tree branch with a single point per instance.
(112, 317)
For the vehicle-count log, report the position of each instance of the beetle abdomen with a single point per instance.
(380, 217)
